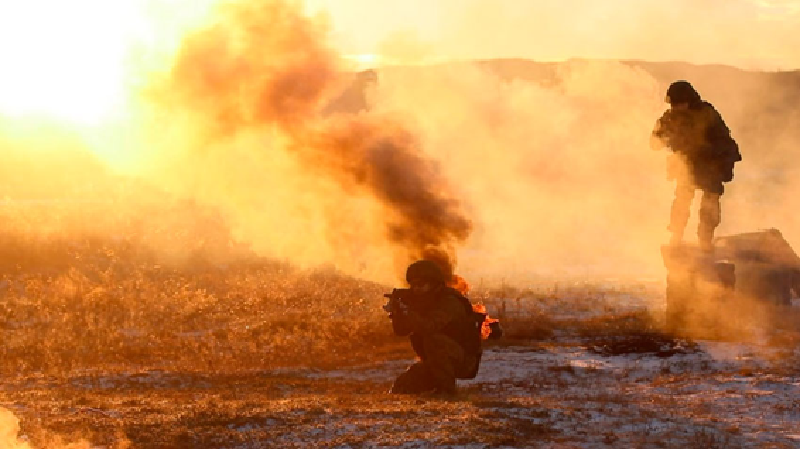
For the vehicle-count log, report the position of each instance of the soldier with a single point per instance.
(357, 97)
(703, 155)
(443, 329)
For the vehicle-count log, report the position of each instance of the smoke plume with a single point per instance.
(528, 170)
(524, 169)
(260, 74)
(556, 166)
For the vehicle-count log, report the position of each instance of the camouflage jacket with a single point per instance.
(701, 136)
(437, 312)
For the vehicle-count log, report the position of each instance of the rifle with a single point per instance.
(399, 299)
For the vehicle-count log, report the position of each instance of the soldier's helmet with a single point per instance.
(682, 92)
(425, 271)
(369, 76)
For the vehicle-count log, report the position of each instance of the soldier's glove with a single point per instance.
(395, 306)
(401, 307)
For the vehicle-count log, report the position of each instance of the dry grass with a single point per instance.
(103, 341)
(253, 317)
(179, 352)
(111, 295)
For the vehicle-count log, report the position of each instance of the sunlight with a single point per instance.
(78, 66)
(363, 61)
(73, 61)
(63, 60)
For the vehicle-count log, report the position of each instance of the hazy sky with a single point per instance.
(91, 44)
(749, 33)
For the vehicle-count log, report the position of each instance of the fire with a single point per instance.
(486, 327)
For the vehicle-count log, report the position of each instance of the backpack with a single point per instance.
(731, 156)
(469, 335)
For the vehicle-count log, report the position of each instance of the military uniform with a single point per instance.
(704, 154)
(439, 326)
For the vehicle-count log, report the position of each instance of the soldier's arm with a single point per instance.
(718, 136)
(657, 143)
(717, 129)
(658, 138)
(447, 310)
(401, 324)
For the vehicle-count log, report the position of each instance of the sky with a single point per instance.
(184, 93)
(747, 33)
(71, 59)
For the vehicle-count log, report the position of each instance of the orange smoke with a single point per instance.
(264, 67)
(261, 63)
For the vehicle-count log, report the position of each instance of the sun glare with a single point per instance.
(71, 61)
(78, 64)
(62, 60)
(363, 61)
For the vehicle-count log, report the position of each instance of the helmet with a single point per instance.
(425, 270)
(682, 92)
(368, 76)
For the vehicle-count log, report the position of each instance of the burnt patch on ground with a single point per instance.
(652, 343)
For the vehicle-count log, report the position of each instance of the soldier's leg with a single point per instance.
(442, 356)
(416, 379)
(679, 213)
(709, 218)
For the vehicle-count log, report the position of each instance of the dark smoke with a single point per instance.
(385, 159)
(264, 66)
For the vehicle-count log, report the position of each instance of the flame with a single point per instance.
(486, 329)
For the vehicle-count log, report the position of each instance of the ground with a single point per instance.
(580, 370)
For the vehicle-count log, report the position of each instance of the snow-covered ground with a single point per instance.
(567, 391)
(719, 395)
(704, 394)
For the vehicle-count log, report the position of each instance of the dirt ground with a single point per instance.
(271, 356)
(562, 393)
(526, 396)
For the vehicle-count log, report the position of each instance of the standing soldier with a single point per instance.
(703, 155)
(357, 97)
